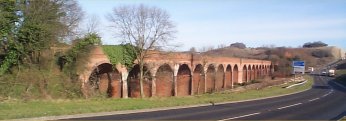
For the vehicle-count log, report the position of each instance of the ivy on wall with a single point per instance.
(124, 54)
(74, 60)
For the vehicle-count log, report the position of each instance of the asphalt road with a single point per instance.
(325, 101)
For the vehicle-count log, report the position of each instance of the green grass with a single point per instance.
(20, 109)
(342, 119)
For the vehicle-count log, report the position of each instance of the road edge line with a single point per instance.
(252, 114)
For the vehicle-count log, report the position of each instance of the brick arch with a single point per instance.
(236, 74)
(184, 80)
(134, 84)
(257, 72)
(99, 80)
(199, 65)
(92, 68)
(219, 77)
(210, 80)
(198, 79)
(249, 74)
(188, 65)
(228, 77)
(245, 73)
(164, 81)
(253, 72)
(262, 71)
(154, 66)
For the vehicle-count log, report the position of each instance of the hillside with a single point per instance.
(315, 57)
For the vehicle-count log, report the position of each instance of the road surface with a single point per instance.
(325, 101)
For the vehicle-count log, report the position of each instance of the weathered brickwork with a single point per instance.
(173, 74)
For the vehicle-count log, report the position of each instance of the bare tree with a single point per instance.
(192, 50)
(221, 46)
(92, 24)
(144, 27)
(73, 14)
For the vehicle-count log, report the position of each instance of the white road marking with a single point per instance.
(325, 95)
(241, 116)
(313, 99)
(289, 106)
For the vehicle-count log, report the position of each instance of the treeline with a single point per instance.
(35, 59)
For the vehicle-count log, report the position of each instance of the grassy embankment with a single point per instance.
(341, 76)
(12, 109)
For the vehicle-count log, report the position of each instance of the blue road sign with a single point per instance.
(298, 63)
(298, 67)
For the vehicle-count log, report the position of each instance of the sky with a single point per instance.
(256, 23)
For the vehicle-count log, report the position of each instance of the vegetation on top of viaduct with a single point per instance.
(124, 54)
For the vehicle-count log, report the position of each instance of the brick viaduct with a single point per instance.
(173, 74)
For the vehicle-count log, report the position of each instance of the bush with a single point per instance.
(314, 44)
(32, 83)
(238, 45)
(321, 53)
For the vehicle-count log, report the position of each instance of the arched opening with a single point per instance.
(271, 68)
(198, 80)
(100, 81)
(164, 81)
(266, 70)
(244, 74)
(210, 78)
(253, 72)
(236, 74)
(219, 79)
(134, 84)
(262, 71)
(184, 80)
(228, 77)
(249, 73)
(257, 72)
